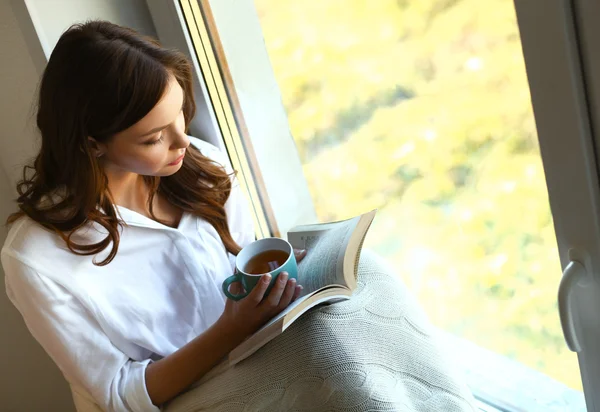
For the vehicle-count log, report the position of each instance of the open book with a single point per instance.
(327, 273)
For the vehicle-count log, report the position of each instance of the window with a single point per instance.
(423, 110)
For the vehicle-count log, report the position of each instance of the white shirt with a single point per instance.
(102, 325)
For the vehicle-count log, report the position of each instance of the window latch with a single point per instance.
(573, 276)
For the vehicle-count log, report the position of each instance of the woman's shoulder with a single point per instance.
(209, 150)
(29, 241)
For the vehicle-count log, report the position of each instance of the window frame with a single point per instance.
(181, 24)
(270, 148)
(564, 97)
(560, 96)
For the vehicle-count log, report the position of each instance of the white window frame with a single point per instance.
(556, 40)
(550, 34)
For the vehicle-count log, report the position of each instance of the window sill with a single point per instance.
(501, 384)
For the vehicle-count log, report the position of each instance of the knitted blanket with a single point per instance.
(374, 352)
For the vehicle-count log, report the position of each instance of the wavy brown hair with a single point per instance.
(101, 79)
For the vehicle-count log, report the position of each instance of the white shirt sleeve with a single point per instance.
(72, 337)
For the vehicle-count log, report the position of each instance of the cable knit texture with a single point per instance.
(374, 352)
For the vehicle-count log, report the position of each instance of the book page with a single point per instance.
(325, 246)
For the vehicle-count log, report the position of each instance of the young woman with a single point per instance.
(125, 230)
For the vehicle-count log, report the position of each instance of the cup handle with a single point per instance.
(227, 282)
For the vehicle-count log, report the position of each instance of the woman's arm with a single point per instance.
(72, 337)
(70, 333)
(171, 375)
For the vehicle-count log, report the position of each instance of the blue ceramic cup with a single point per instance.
(249, 280)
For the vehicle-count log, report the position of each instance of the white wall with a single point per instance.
(57, 15)
(29, 381)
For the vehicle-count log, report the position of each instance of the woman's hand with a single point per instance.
(300, 254)
(172, 374)
(247, 315)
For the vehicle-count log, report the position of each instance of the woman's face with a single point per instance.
(155, 145)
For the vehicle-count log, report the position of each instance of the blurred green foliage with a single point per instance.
(422, 109)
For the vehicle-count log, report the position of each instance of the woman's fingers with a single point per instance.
(272, 301)
(258, 293)
(288, 294)
(300, 254)
(297, 292)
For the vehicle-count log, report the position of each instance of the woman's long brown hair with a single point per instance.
(101, 79)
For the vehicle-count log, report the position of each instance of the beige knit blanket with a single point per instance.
(374, 352)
